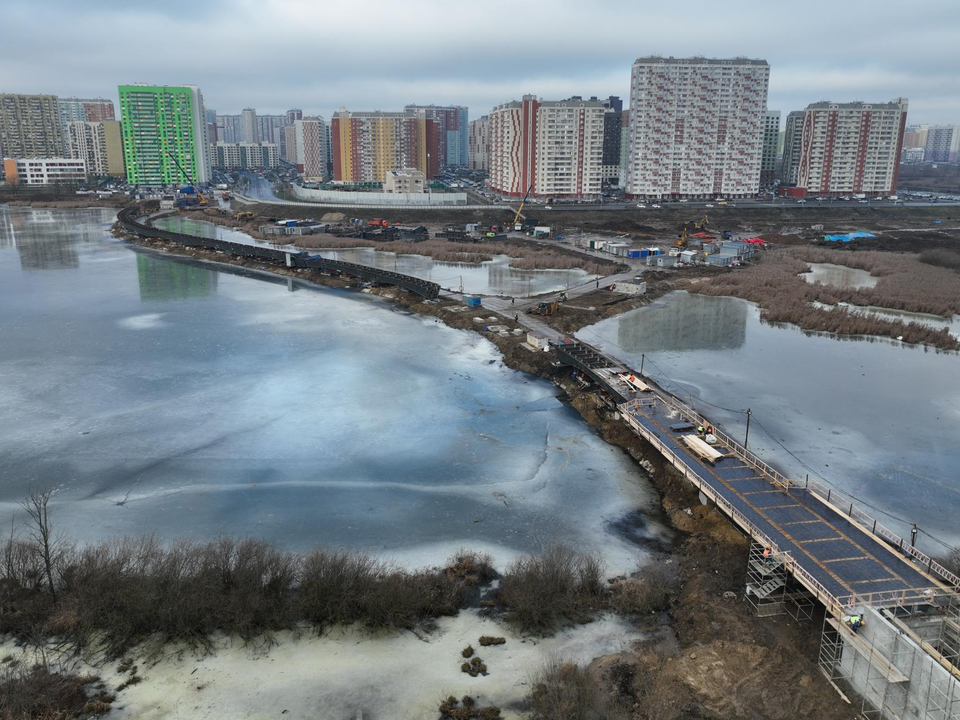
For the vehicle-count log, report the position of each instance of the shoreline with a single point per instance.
(703, 626)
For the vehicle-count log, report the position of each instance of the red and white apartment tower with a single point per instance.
(551, 148)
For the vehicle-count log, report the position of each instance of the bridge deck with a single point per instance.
(844, 558)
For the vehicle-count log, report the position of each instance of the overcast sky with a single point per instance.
(320, 55)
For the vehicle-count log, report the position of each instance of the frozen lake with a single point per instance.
(495, 277)
(876, 418)
(191, 399)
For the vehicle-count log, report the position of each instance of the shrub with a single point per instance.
(651, 592)
(467, 652)
(542, 593)
(38, 692)
(486, 640)
(566, 690)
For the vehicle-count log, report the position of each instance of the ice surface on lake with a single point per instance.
(191, 400)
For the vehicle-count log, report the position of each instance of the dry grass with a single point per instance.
(39, 693)
(650, 592)
(904, 283)
(563, 690)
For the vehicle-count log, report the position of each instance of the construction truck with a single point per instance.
(245, 215)
(377, 222)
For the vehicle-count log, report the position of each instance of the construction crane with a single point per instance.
(520, 209)
(200, 198)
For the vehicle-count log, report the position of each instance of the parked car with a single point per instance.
(641, 205)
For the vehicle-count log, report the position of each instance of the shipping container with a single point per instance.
(473, 302)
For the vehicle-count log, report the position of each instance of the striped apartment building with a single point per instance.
(368, 145)
(552, 148)
(850, 148)
(696, 127)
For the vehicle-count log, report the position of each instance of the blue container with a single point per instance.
(473, 302)
(644, 253)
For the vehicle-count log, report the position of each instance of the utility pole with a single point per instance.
(913, 535)
(643, 356)
(747, 435)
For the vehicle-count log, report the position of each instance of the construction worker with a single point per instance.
(516, 317)
(855, 621)
(766, 552)
(513, 301)
(709, 429)
(700, 430)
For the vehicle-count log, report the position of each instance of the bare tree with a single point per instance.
(48, 544)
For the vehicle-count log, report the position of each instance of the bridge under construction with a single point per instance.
(809, 545)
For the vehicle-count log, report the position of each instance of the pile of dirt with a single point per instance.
(333, 217)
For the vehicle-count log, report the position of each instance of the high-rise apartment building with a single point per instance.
(551, 148)
(943, 142)
(251, 128)
(696, 127)
(771, 146)
(160, 121)
(792, 137)
(289, 146)
(294, 115)
(367, 145)
(229, 128)
(269, 125)
(83, 110)
(99, 144)
(30, 126)
(916, 136)
(478, 142)
(851, 147)
(612, 126)
(246, 155)
(453, 136)
(311, 146)
(624, 147)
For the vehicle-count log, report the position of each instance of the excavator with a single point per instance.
(545, 308)
(682, 240)
(520, 209)
(201, 200)
(702, 225)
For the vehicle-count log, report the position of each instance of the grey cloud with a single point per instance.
(384, 54)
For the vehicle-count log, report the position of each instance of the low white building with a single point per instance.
(45, 171)
(407, 180)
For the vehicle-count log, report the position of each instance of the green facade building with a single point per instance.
(157, 121)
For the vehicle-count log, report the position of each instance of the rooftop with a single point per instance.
(696, 60)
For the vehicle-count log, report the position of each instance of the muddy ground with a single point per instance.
(709, 656)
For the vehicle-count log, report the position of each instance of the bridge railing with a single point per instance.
(751, 528)
(736, 448)
(825, 494)
(830, 497)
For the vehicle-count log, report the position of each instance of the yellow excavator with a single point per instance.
(545, 308)
(682, 240)
(702, 225)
